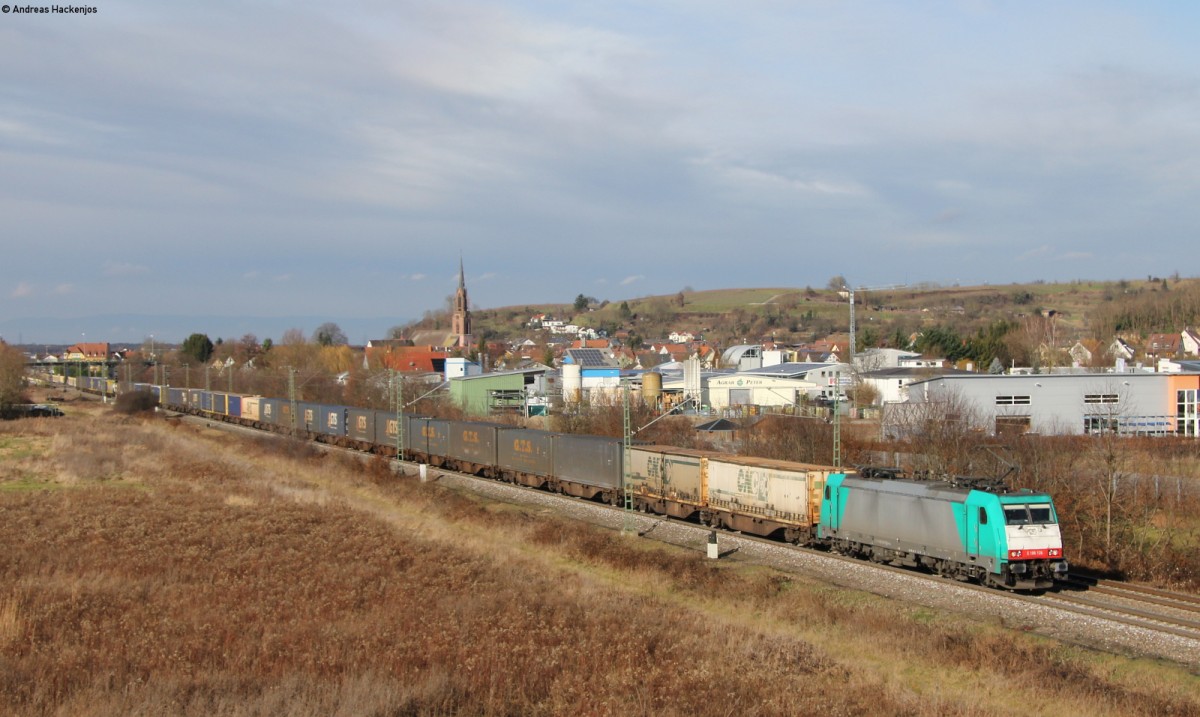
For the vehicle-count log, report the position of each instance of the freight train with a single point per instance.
(967, 532)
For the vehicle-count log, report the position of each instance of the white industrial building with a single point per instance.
(891, 384)
(785, 384)
(1127, 403)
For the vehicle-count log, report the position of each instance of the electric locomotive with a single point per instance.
(1003, 539)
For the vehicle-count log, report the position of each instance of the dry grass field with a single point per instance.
(152, 567)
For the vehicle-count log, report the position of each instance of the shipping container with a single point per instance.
(472, 447)
(176, 397)
(206, 402)
(385, 430)
(235, 405)
(252, 408)
(525, 455)
(668, 480)
(589, 466)
(289, 418)
(220, 402)
(327, 420)
(360, 424)
(270, 411)
(762, 496)
(429, 438)
(308, 417)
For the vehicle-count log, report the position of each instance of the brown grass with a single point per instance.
(194, 573)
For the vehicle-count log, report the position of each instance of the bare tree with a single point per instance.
(12, 376)
(330, 334)
(837, 283)
(941, 434)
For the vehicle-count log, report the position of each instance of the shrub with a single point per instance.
(132, 402)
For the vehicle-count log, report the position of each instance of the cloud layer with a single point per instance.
(252, 157)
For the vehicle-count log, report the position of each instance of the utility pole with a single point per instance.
(627, 444)
(837, 431)
(399, 415)
(292, 397)
(853, 342)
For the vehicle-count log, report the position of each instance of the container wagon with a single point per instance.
(525, 456)
(360, 427)
(472, 447)
(589, 467)
(669, 481)
(765, 497)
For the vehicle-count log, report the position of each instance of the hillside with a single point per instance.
(1081, 309)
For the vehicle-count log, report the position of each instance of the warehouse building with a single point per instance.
(785, 384)
(891, 384)
(1060, 404)
(523, 391)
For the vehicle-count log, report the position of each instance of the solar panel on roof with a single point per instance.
(589, 358)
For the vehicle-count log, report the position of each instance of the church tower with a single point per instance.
(461, 323)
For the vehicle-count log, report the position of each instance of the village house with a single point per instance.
(1163, 346)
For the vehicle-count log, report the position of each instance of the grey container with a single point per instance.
(525, 451)
(473, 445)
(385, 429)
(593, 461)
(270, 411)
(360, 424)
(429, 437)
(331, 420)
(308, 416)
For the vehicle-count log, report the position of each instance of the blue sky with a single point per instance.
(335, 159)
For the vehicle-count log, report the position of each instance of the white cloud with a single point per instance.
(22, 290)
(765, 184)
(631, 279)
(64, 289)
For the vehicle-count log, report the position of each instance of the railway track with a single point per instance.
(1133, 604)
(1143, 608)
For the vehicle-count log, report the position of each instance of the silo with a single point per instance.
(651, 388)
(572, 382)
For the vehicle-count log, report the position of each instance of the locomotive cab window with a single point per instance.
(1041, 514)
(1026, 514)
(983, 516)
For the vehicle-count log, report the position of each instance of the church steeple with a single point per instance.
(461, 322)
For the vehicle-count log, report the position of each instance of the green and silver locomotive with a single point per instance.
(1003, 539)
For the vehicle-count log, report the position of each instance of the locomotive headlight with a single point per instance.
(1018, 568)
(1060, 567)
